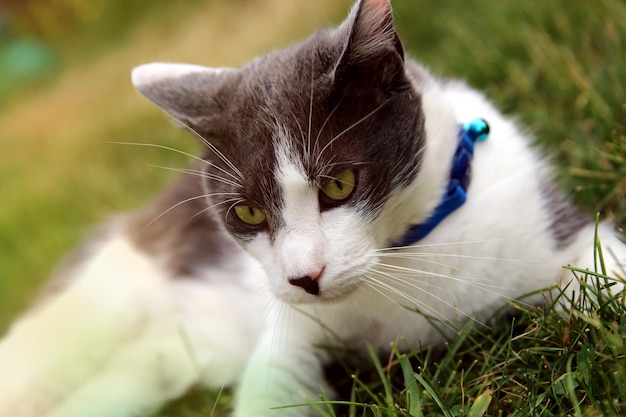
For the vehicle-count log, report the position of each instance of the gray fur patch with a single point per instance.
(566, 220)
(342, 108)
(179, 232)
(183, 240)
(345, 99)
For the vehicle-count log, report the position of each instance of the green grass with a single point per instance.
(566, 358)
(555, 65)
(558, 66)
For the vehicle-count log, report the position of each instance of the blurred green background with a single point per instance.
(65, 95)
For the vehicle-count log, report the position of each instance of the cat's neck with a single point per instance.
(414, 204)
(460, 175)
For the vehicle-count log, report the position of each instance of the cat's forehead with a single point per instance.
(293, 97)
(284, 85)
(293, 93)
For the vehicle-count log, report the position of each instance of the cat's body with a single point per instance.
(165, 298)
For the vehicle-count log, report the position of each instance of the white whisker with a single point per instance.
(212, 206)
(373, 283)
(460, 278)
(367, 116)
(419, 255)
(321, 129)
(180, 203)
(308, 147)
(211, 147)
(235, 202)
(295, 119)
(199, 173)
(410, 285)
(281, 312)
(416, 304)
(455, 243)
(153, 145)
(496, 290)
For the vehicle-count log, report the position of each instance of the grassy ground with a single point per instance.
(557, 65)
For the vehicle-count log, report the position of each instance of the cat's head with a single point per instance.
(306, 148)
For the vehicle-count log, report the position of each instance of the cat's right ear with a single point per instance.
(191, 94)
(372, 49)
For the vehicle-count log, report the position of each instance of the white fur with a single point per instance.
(157, 72)
(468, 266)
(302, 243)
(123, 338)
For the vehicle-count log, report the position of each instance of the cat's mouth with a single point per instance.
(315, 291)
(335, 298)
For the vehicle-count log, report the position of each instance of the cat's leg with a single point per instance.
(202, 339)
(119, 338)
(284, 371)
(64, 339)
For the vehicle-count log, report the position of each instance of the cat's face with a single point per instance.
(305, 147)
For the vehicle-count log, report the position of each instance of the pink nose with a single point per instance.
(308, 282)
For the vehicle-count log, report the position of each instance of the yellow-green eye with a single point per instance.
(252, 216)
(340, 186)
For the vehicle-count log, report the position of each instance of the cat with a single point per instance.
(342, 188)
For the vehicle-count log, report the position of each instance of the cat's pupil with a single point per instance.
(339, 184)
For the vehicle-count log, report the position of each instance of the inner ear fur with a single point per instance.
(373, 51)
(188, 93)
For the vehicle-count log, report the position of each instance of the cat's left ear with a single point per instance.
(191, 94)
(372, 48)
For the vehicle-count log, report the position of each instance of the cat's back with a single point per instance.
(512, 189)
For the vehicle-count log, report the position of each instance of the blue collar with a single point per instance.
(460, 174)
